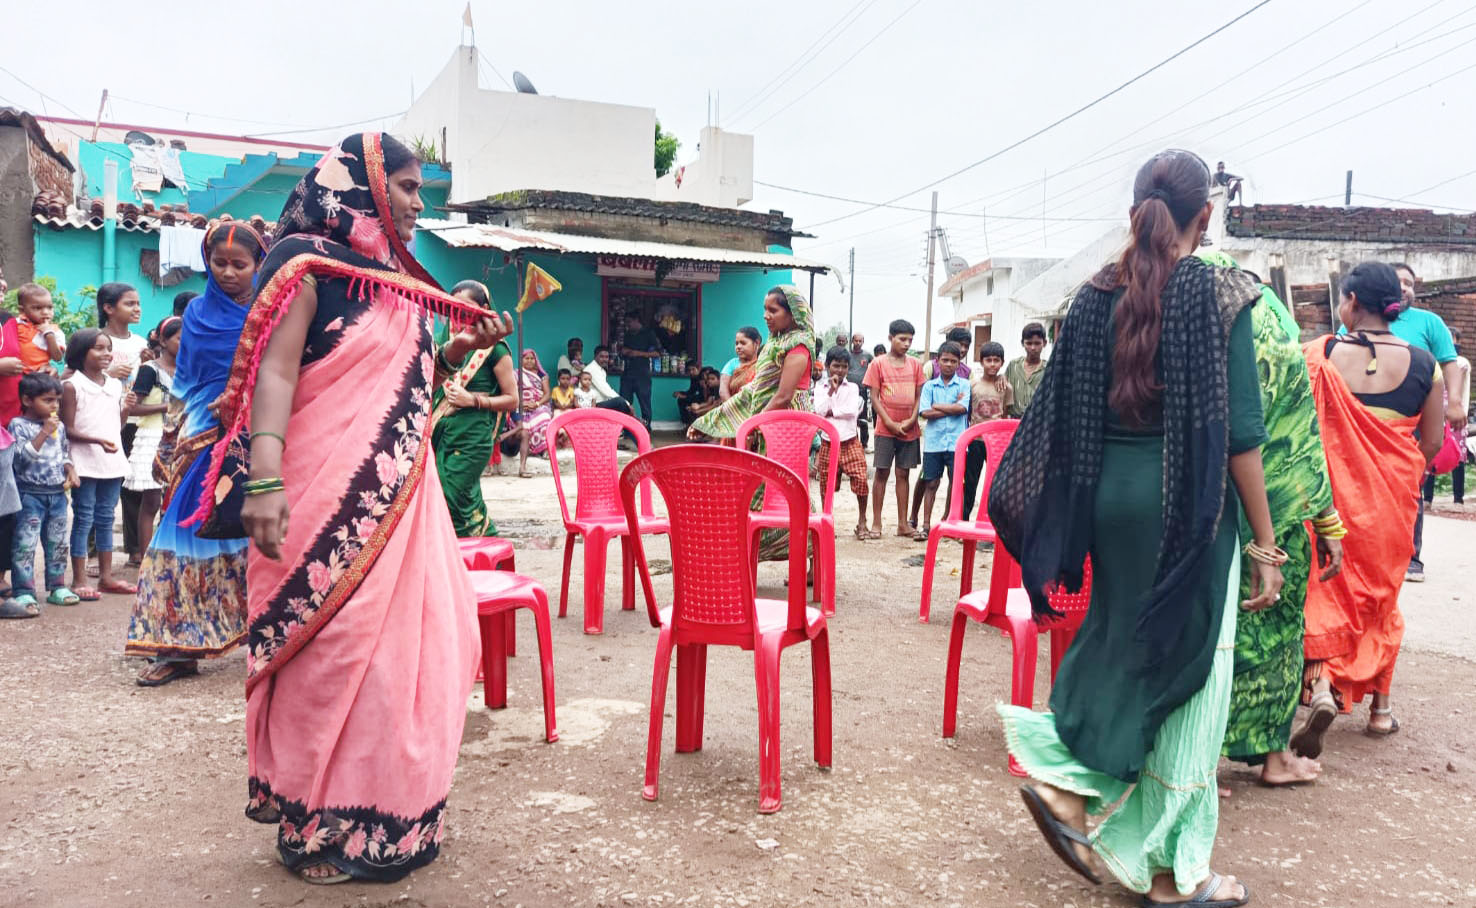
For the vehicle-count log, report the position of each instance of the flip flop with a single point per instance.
(920, 535)
(176, 671)
(62, 596)
(332, 879)
(1306, 741)
(1058, 835)
(87, 594)
(1378, 733)
(20, 608)
(119, 588)
(862, 534)
(1201, 899)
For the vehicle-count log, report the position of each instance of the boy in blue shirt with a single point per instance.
(945, 405)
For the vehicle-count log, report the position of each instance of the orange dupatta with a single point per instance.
(1353, 620)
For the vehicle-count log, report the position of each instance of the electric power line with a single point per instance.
(43, 94)
(804, 59)
(1039, 132)
(956, 212)
(1454, 208)
(802, 95)
(289, 132)
(192, 113)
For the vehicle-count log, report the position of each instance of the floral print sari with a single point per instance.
(362, 640)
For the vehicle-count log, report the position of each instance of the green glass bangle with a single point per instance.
(264, 486)
(256, 435)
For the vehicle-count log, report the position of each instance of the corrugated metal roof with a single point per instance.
(487, 236)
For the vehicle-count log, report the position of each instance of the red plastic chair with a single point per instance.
(499, 593)
(996, 434)
(489, 553)
(1006, 606)
(789, 436)
(594, 435)
(708, 491)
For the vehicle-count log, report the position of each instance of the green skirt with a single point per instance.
(463, 443)
(1167, 821)
(1268, 661)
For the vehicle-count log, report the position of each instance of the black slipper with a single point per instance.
(1377, 733)
(1306, 741)
(176, 671)
(1201, 899)
(1058, 835)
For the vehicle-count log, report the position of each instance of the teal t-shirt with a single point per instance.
(1424, 329)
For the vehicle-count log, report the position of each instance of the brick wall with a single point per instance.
(1454, 301)
(49, 174)
(1374, 225)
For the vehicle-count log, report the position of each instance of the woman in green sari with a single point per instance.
(1268, 643)
(781, 381)
(468, 414)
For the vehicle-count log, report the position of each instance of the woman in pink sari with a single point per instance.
(362, 639)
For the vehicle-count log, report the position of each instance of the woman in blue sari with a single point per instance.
(192, 591)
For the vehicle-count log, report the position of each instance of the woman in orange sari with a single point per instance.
(362, 636)
(1373, 393)
(739, 370)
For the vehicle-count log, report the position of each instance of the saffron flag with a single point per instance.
(466, 17)
(538, 285)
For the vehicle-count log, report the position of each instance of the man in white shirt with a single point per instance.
(839, 400)
(605, 396)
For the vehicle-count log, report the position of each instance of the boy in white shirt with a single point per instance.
(839, 401)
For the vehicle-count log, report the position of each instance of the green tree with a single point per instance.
(666, 150)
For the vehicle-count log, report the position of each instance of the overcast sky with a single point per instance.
(891, 95)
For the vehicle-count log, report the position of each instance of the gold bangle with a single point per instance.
(1273, 556)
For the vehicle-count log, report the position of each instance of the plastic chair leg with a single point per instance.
(568, 565)
(658, 706)
(766, 676)
(691, 675)
(595, 543)
(825, 542)
(510, 634)
(1060, 643)
(966, 572)
(544, 628)
(820, 676)
(494, 661)
(812, 539)
(929, 559)
(950, 681)
(627, 575)
(1023, 643)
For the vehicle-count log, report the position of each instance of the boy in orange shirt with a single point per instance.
(41, 342)
(895, 382)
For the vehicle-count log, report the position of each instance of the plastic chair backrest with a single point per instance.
(789, 436)
(708, 491)
(1004, 575)
(996, 434)
(594, 434)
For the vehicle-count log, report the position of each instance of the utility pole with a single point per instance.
(851, 319)
(1348, 192)
(97, 124)
(932, 245)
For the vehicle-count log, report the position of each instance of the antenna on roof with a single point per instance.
(522, 84)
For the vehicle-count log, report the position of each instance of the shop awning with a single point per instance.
(488, 236)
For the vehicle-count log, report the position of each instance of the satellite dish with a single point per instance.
(521, 83)
(138, 137)
(955, 264)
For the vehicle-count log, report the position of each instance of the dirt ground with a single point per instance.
(116, 795)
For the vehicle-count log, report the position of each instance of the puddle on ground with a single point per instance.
(580, 722)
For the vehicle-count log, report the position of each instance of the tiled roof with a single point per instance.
(558, 200)
(50, 211)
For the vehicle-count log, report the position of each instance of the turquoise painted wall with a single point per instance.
(264, 197)
(74, 258)
(727, 305)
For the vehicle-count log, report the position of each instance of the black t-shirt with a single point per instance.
(644, 341)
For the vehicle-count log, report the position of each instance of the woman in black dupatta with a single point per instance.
(1150, 405)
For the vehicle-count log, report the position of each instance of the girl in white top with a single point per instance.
(92, 411)
(118, 308)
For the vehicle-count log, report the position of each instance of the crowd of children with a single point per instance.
(67, 429)
(919, 412)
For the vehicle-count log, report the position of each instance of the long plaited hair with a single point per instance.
(1042, 499)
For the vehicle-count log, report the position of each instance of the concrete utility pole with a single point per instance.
(851, 319)
(932, 245)
(1348, 192)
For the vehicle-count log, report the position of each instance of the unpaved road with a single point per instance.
(115, 795)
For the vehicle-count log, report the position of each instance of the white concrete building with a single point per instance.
(501, 141)
(982, 298)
